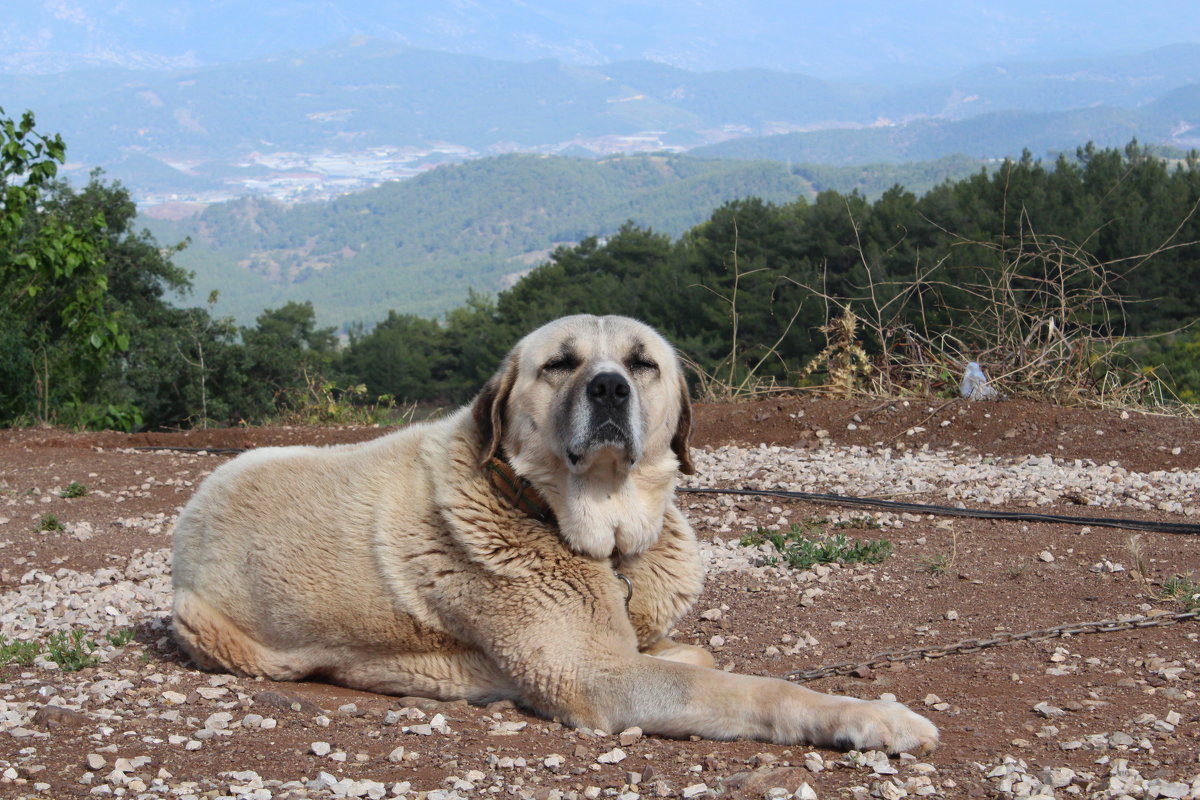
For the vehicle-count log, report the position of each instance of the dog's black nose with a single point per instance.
(608, 389)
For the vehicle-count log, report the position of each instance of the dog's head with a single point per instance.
(587, 404)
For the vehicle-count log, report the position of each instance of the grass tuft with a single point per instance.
(49, 523)
(942, 563)
(71, 651)
(120, 638)
(74, 489)
(1183, 589)
(18, 652)
(800, 551)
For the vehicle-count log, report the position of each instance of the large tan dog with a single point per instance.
(418, 563)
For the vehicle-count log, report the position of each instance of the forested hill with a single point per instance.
(418, 246)
(1029, 265)
(1038, 271)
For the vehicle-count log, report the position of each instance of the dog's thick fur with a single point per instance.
(396, 566)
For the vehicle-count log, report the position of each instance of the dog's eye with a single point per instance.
(560, 364)
(641, 364)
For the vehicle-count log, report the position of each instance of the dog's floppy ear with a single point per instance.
(488, 409)
(683, 430)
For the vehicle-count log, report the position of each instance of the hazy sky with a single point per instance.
(853, 39)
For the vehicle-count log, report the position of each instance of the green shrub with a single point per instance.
(71, 651)
(18, 652)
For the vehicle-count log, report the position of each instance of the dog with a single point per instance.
(526, 547)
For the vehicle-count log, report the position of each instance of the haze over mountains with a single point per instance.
(196, 102)
(873, 40)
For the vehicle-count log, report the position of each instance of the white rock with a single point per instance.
(1047, 710)
(218, 721)
(614, 756)
(805, 792)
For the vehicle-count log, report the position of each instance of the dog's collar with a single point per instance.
(616, 567)
(518, 491)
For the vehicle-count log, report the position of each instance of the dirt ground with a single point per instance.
(948, 579)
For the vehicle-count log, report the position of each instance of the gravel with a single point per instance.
(948, 477)
(136, 591)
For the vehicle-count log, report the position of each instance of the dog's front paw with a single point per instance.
(884, 725)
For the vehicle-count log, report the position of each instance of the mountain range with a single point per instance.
(364, 110)
(421, 245)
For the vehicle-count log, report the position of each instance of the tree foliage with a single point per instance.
(735, 292)
(57, 327)
(93, 331)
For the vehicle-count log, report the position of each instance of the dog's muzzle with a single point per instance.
(608, 403)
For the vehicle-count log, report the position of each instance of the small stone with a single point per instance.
(1046, 556)
(1048, 711)
(1172, 789)
(218, 721)
(320, 748)
(695, 790)
(95, 761)
(1059, 777)
(629, 736)
(614, 756)
(396, 756)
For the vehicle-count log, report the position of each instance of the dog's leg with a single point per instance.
(680, 700)
(665, 580)
(215, 642)
(579, 661)
(669, 650)
(467, 674)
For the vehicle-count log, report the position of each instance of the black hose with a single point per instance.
(950, 511)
